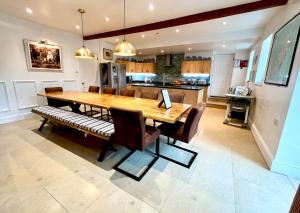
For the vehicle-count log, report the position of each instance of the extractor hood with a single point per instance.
(168, 61)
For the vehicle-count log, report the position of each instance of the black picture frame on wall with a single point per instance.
(107, 54)
(283, 53)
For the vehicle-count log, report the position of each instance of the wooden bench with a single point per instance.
(89, 125)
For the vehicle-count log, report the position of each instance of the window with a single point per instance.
(250, 64)
(263, 60)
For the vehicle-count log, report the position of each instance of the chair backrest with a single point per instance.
(127, 92)
(149, 95)
(295, 208)
(191, 124)
(129, 128)
(109, 91)
(53, 89)
(55, 102)
(177, 98)
(95, 89)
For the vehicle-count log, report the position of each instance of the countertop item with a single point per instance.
(171, 86)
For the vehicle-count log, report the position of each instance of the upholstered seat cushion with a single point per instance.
(151, 134)
(172, 130)
(80, 121)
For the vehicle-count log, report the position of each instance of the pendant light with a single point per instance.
(124, 48)
(83, 52)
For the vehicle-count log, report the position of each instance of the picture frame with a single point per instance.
(283, 53)
(41, 56)
(107, 54)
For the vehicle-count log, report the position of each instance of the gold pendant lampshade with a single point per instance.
(83, 52)
(124, 48)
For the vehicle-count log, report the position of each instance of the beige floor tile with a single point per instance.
(250, 197)
(119, 202)
(73, 192)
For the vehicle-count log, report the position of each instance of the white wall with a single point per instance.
(18, 86)
(268, 114)
(238, 74)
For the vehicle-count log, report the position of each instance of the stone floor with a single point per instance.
(57, 171)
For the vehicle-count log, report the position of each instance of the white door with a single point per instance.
(221, 74)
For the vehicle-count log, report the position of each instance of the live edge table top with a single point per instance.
(149, 107)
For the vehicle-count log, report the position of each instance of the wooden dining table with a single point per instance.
(149, 107)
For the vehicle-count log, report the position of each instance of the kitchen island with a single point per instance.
(193, 94)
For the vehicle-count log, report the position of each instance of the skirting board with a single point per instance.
(266, 152)
(286, 169)
(15, 117)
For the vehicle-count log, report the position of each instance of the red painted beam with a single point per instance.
(204, 16)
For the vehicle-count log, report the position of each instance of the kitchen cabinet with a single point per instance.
(148, 68)
(134, 67)
(195, 67)
(130, 67)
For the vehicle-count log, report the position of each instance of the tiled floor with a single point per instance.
(57, 171)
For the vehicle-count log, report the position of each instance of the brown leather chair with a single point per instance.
(94, 89)
(130, 131)
(184, 132)
(295, 208)
(177, 98)
(109, 91)
(127, 92)
(55, 102)
(149, 95)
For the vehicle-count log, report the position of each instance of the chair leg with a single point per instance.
(189, 164)
(138, 178)
(43, 124)
(85, 109)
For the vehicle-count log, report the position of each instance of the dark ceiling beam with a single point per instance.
(204, 16)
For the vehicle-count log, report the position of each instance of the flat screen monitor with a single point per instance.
(166, 98)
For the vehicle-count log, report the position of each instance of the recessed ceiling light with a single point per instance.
(162, 51)
(140, 53)
(106, 19)
(190, 49)
(143, 36)
(151, 7)
(28, 10)
(224, 45)
(177, 30)
(77, 27)
(224, 23)
(288, 41)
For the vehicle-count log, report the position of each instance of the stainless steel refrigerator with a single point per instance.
(113, 75)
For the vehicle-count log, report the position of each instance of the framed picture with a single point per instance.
(107, 54)
(41, 56)
(283, 53)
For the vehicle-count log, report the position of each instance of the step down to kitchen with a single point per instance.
(217, 102)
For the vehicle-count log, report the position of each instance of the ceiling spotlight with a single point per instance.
(162, 51)
(140, 53)
(190, 49)
(106, 19)
(151, 7)
(224, 23)
(143, 36)
(288, 41)
(224, 45)
(77, 27)
(177, 30)
(28, 10)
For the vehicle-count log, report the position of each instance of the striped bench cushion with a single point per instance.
(83, 122)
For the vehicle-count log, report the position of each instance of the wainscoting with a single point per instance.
(19, 96)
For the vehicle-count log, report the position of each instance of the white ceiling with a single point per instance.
(240, 32)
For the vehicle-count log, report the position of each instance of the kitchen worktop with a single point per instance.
(171, 86)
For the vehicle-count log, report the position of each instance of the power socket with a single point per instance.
(275, 122)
